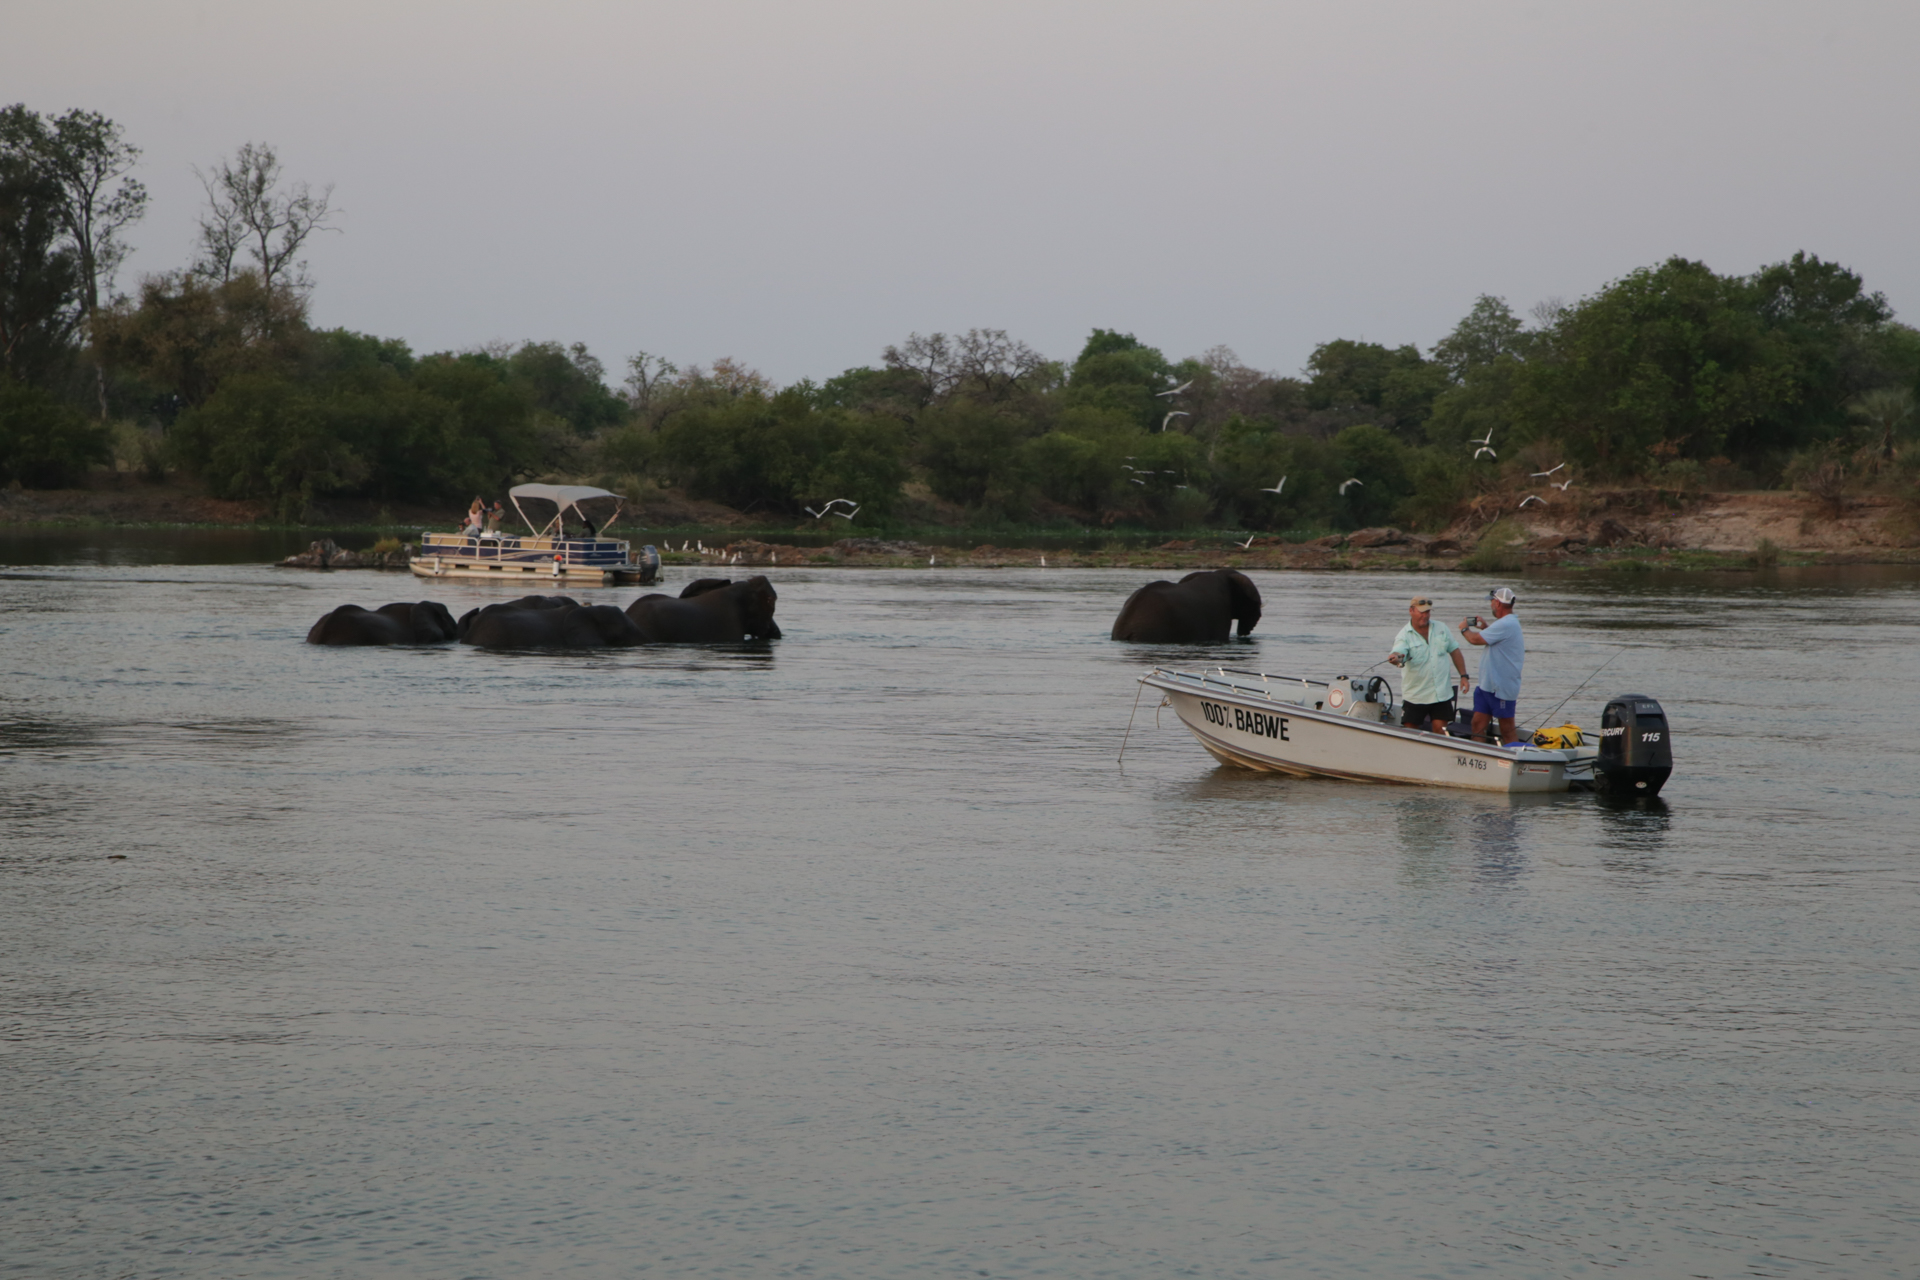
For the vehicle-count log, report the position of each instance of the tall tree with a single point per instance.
(1489, 331)
(247, 210)
(39, 279)
(85, 156)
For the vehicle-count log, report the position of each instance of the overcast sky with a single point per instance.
(798, 184)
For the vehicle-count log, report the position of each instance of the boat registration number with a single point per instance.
(1259, 723)
(1470, 762)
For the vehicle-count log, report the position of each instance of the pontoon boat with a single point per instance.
(550, 555)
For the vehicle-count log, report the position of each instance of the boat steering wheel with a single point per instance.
(1375, 688)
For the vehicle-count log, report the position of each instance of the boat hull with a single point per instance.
(1252, 731)
(523, 575)
(528, 563)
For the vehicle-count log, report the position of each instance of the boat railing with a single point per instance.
(486, 545)
(1269, 683)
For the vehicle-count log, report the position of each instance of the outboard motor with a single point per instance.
(649, 559)
(1636, 747)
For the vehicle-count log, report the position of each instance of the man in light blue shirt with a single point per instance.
(1499, 687)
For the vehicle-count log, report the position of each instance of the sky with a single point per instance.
(797, 184)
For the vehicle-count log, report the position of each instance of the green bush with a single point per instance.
(45, 444)
(780, 453)
(264, 437)
(1498, 550)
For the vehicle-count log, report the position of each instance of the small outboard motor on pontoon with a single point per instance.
(1636, 747)
(649, 559)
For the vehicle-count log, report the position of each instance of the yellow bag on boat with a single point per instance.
(1563, 738)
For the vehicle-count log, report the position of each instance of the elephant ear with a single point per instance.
(758, 613)
(1246, 600)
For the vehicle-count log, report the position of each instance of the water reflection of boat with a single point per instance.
(1341, 729)
(549, 555)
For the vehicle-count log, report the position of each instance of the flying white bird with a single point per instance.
(1486, 449)
(1175, 391)
(828, 506)
(1485, 439)
(1248, 543)
(848, 515)
(1177, 413)
(1136, 481)
(1277, 488)
(1562, 485)
(1541, 475)
(1349, 482)
(1531, 498)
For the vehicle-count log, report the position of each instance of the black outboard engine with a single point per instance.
(649, 559)
(1636, 747)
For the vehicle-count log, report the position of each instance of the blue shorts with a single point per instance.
(1485, 703)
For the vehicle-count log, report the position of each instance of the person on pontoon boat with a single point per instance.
(1422, 650)
(476, 516)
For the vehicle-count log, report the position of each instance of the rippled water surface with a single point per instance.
(859, 955)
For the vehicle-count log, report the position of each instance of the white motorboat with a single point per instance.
(1342, 728)
(548, 555)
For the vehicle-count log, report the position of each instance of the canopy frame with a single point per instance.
(565, 498)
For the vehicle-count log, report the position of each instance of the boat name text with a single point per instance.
(1259, 723)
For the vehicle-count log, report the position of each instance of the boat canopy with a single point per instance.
(564, 497)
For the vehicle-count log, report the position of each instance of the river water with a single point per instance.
(859, 955)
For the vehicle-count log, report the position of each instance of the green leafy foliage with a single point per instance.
(44, 442)
(40, 286)
(779, 453)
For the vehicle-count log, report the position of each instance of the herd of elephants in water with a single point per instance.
(1201, 608)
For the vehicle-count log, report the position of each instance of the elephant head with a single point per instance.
(757, 598)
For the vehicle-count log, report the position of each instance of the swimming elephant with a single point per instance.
(524, 602)
(709, 610)
(549, 622)
(424, 622)
(1195, 610)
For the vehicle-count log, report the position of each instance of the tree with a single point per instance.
(568, 382)
(1345, 375)
(1670, 361)
(83, 154)
(186, 335)
(1117, 372)
(984, 364)
(39, 277)
(1832, 329)
(646, 374)
(246, 209)
(1489, 331)
(1885, 410)
(45, 444)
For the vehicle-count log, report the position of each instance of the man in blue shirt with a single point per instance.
(1499, 687)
